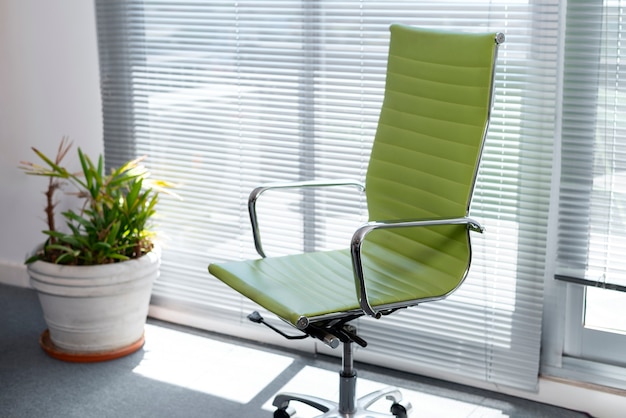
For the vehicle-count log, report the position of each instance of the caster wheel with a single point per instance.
(284, 412)
(399, 410)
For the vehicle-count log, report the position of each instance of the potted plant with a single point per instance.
(94, 275)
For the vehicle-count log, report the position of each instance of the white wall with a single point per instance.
(49, 87)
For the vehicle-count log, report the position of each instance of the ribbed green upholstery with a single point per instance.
(422, 166)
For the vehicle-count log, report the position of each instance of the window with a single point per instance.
(592, 232)
(592, 236)
(225, 95)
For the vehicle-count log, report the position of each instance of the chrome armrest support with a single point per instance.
(358, 239)
(257, 192)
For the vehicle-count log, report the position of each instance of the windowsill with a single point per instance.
(590, 374)
(594, 399)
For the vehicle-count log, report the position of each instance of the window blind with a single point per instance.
(592, 229)
(223, 96)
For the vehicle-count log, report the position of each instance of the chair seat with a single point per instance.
(321, 283)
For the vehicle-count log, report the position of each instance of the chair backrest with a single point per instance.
(430, 136)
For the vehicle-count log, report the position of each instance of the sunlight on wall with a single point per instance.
(208, 366)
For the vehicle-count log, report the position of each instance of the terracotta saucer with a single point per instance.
(86, 357)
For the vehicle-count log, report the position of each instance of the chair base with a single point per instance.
(398, 409)
(348, 406)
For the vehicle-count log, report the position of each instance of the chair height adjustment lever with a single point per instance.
(349, 332)
(257, 318)
(327, 338)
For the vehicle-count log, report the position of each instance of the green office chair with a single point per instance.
(419, 183)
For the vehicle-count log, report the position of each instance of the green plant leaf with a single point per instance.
(57, 171)
(63, 248)
(119, 257)
(65, 259)
(33, 258)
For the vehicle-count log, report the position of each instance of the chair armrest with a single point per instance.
(359, 237)
(258, 191)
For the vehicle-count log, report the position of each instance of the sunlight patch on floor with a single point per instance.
(325, 384)
(239, 374)
(205, 365)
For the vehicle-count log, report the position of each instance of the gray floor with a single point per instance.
(183, 372)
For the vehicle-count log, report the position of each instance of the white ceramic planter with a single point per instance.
(95, 309)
